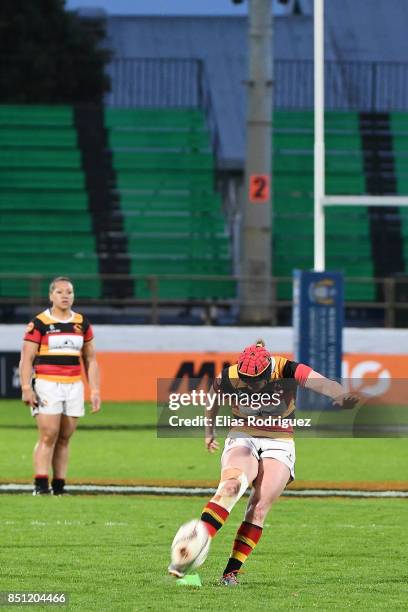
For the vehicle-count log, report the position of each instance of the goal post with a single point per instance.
(364, 200)
(318, 295)
(319, 144)
(321, 199)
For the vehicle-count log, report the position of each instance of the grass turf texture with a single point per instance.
(121, 443)
(114, 445)
(111, 553)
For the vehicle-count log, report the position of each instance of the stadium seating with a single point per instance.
(399, 124)
(293, 200)
(45, 226)
(173, 219)
(172, 215)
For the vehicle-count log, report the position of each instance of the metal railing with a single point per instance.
(391, 303)
(177, 82)
(372, 86)
(359, 86)
(154, 82)
(206, 103)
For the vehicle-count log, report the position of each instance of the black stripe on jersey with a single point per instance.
(40, 326)
(289, 369)
(65, 328)
(226, 385)
(68, 360)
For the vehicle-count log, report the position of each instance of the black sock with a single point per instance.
(41, 483)
(233, 565)
(58, 485)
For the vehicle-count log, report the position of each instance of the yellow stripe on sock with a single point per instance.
(246, 540)
(214, 515)
(239, 556)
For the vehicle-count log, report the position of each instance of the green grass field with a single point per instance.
(111, 552)
(121, 443)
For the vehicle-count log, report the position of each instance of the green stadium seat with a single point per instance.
(157, 118)
(30, 115)
(168, 161)
(293, 232)
(159, 140)
(26, 242)
(55, 137)
(164, 201)
(46, 179)
(27, 200)
(45, 223)
(399, 125)
(40, 158)
(172, 214)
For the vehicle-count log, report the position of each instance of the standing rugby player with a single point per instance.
(54, 342)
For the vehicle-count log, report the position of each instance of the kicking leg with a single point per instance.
(239, 468)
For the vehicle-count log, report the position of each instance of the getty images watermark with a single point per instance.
(209, 399)
(186, 406)
(254, 410)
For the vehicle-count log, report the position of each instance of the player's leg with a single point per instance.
(73, 408)
(61, 453)
(48, 417)
(239, 467)
(48, 427)
(272, 479)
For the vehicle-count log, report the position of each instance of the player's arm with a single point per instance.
(211, 414)
(306, 377)
(28, 354)
(331, 388)
(92, 373)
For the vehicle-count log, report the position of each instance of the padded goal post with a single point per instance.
(318, 295)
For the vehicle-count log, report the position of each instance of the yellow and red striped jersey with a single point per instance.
(59, 345)
(284, 378)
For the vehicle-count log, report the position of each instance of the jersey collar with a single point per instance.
(48, 313)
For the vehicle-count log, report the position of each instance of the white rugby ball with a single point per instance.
(190, 545)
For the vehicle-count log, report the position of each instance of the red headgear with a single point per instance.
(254, 361)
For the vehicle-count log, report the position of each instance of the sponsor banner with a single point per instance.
(133, 376)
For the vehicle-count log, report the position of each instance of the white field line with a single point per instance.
(197, 491)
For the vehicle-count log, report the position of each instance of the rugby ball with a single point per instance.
(190, 545)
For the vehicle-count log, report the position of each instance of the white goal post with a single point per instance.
(321, 199)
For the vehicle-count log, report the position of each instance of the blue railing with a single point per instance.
(175, 82)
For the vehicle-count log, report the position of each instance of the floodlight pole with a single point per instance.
(319, 149)
(256, 244)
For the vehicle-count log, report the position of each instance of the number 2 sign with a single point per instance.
(259, 188)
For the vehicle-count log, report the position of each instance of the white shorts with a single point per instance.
(262, 448)
(59, 398)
